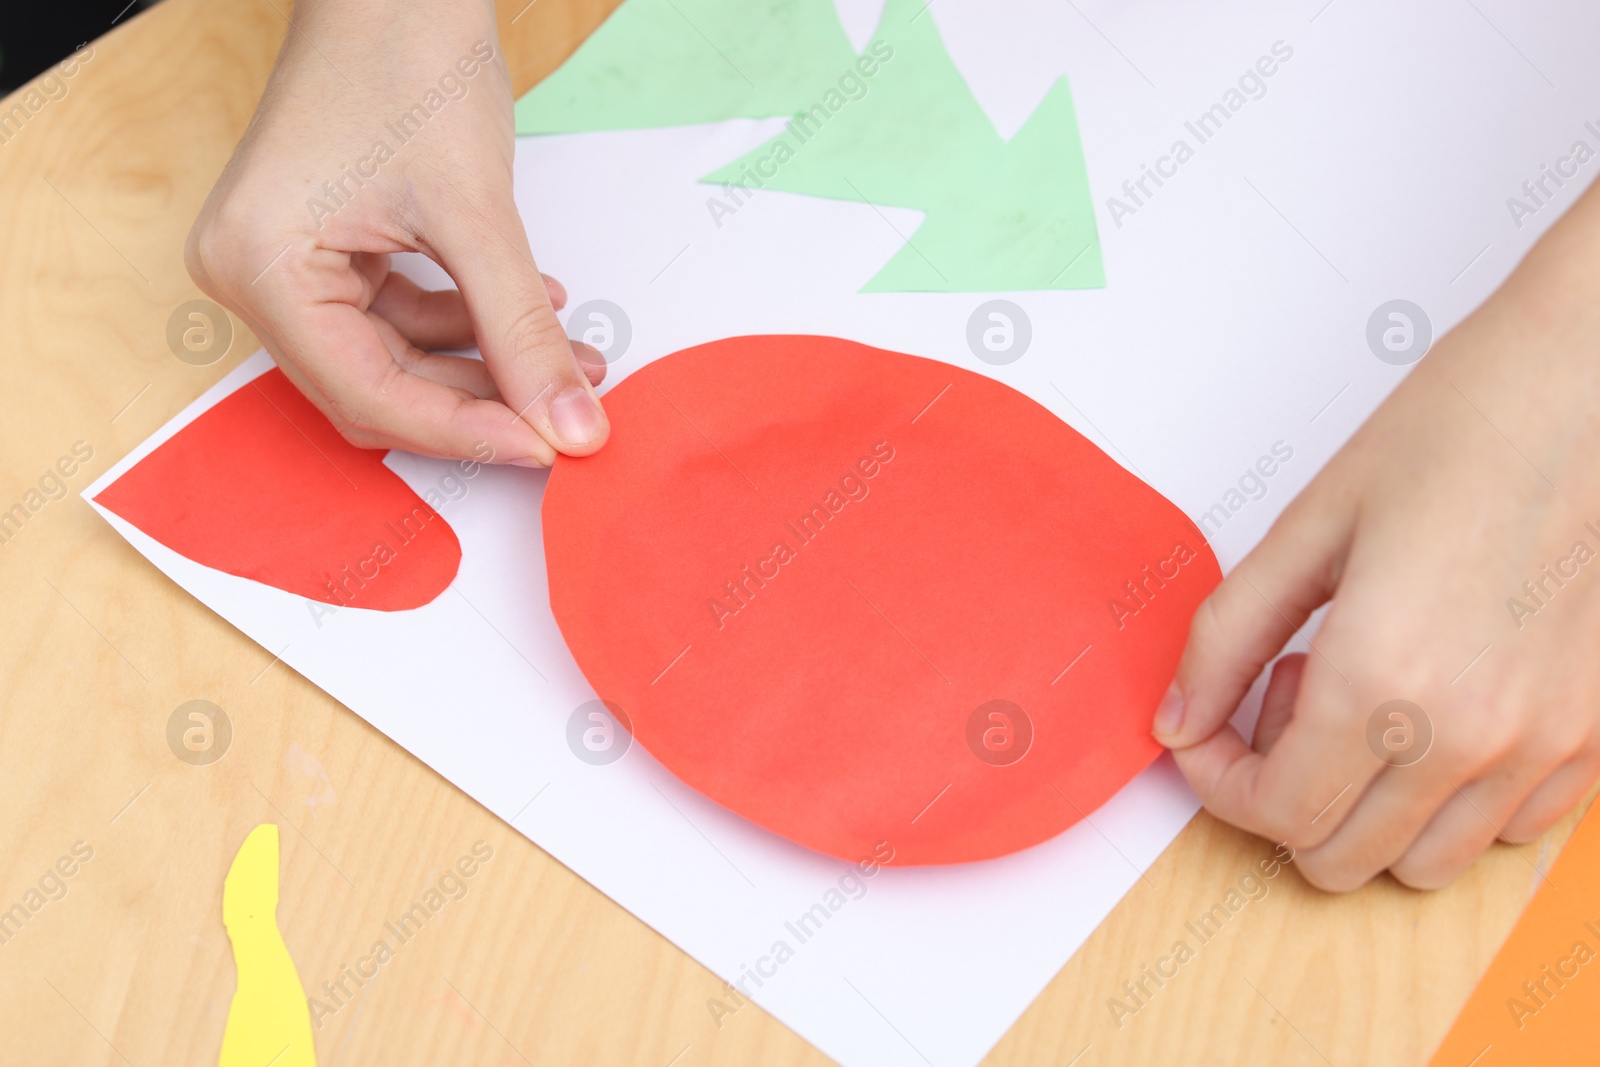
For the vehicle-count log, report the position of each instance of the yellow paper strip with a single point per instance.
(269, 1021)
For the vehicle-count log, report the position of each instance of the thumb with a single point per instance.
(1246, 621)
(523, 343)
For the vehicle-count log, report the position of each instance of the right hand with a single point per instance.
(296, 237)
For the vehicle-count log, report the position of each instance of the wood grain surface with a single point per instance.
(532, 965)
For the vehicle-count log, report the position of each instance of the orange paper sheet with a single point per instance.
(1539, 1002)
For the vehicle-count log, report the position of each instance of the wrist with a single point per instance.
(391, 28)
(1538, 337)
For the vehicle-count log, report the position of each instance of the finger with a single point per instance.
(460, 373)
(374, 402)
(1247, 619)
(457, 372)
(523, 343)
(1399, 806)
(437, 318)
(371, 270)
(369, 440)
(1277, 704)
(1550, 800)
(592, 362)
(556, 291)
(1502, 778)
(1299, 792)
(1464, 827)
(429, 319)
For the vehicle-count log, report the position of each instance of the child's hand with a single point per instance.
(387, 127)
(1479, 472)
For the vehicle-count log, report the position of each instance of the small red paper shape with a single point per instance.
(865, 598)
(261, 485)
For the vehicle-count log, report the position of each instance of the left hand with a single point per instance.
(1478, 473)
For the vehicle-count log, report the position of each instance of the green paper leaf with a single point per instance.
(658, 63)
(910, 138)
(1027, 223)
(895, 126)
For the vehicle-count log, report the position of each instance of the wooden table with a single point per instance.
(131, 965)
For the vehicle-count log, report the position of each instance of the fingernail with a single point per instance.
(1169, 716)
(528, 461)
(576, 416)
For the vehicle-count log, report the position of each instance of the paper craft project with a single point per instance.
(895, 125)
(1536, 1004)
(1346, 156)
(269, 1020)
(262, 486)
(860, 597)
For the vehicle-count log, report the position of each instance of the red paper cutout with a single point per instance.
(828, 583)
(263, 487)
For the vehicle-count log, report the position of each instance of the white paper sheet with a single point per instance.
(1376, 165)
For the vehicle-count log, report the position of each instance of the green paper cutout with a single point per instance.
(1028, 223)
(658, 63)
(896, 126)
(914, 138)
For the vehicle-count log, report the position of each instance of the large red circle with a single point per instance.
(801, 565)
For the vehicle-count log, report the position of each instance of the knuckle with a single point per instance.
(356, 426)
(203, 253)
(241, 228)
(1427, 874)
(1522, 830)
(1272, 824)
(1300, 822)
(212, 251)
(1546, 741)
(358, 434)
(1303, 833)
(1458, 744)
(218, 229)
(1545, 746)
(536, 333)
(1441, 853)
(1469, 737)
(1332, 876)
(1303, 815)
(362, 438)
